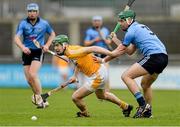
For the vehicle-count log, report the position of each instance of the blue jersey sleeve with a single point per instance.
(88, 35)
(128, 38)
(19, 30)
(49, 29)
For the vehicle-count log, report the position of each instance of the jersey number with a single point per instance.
(145, 27)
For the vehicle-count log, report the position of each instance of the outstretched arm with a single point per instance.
(97, 49)
(73, 78)
(121, 49)
(49, 41)
(92, 49)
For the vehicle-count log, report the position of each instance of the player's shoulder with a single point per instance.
(135, 24)
(23, 21)
(134, 27)
(43, 21)
(90, 30)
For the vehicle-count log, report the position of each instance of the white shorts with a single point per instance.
(81, 79)
(97, 80)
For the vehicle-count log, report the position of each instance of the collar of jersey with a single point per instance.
(94, 28)
(38, 19)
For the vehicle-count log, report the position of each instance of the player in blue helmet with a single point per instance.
(32, 6)
(154, 61)
(30, 28)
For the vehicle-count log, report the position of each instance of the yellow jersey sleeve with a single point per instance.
(83, 61)
(75, 51)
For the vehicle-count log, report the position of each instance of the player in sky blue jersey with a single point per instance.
(97, 34)
(154, 61)
(33, 27)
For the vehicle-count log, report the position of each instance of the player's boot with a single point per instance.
(37, 100)
(127, 111)
(82, 114)
(141, 110)
(41, 105)
(44, 97)
(148, 112)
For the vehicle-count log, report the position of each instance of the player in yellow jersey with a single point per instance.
(96, 74)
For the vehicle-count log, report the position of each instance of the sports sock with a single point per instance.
(123, 105)
(140, 99)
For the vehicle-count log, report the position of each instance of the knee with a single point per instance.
(75, 98)
(124, 76)
(32, 75)
(144, 85)
(102, 97)
(29, 78)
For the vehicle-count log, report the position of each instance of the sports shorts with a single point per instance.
(97, 80)
(36, 54)
(154, 63)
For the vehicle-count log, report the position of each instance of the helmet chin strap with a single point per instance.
(64, 48)
(64, 45)
(128, 21)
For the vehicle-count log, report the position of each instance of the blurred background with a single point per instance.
(73, 17)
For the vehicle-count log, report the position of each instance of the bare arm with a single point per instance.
(120, 50)
(97, 49)
(88, 43)
(49, 41)
(73, 78)
(76, 70)
(130, 49)
(115, 39)
(17, 40)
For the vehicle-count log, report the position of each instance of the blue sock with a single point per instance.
(140, 99)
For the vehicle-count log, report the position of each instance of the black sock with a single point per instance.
(140, 99)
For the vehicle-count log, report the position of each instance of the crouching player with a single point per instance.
(96, 74)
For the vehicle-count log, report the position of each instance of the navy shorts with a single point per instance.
(36, 54)
(154, 63)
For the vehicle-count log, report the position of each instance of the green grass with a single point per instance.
(16, 109)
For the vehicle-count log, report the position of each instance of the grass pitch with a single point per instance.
(16, 109)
